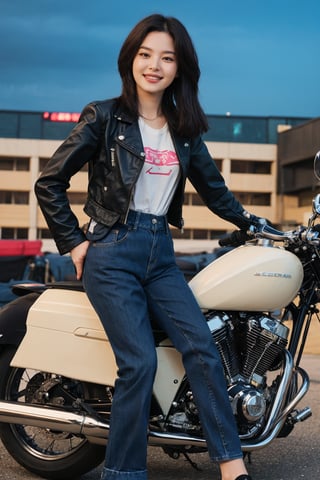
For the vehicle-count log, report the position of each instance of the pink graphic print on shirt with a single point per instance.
(160, 161)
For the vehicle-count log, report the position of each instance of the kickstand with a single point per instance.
(248, 456)
(193, 464)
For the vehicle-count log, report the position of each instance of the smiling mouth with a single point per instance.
(153, 78)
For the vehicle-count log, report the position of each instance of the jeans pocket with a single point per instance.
(112, 236)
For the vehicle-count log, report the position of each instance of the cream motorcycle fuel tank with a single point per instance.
(251, 277)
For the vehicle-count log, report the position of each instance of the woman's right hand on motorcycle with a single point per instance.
(78, 255)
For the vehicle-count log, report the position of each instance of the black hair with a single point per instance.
(180, 103)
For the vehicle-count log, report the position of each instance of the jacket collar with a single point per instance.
(129, 136)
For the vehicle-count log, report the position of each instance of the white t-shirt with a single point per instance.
(160, 173)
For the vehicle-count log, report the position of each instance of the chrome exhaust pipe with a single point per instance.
(97, 431)
(46, 417)
(94, 430)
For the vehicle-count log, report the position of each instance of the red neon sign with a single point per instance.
(61, 116)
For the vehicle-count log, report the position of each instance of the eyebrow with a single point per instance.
(150, 49)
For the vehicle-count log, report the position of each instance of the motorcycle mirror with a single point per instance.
(316, 204)
(316, 165)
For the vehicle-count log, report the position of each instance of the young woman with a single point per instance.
(141, 147)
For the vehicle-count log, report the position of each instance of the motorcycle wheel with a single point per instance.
(48, 453)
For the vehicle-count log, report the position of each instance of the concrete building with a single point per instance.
(244, 148)
(297, 184)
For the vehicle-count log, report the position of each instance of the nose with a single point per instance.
(154, 64)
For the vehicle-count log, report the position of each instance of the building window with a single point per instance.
(305, 199)
(21, 233)
(197, 234)
(200, 234)
(30, 125)
(77, 198)
(237, 129)
(243, 166)
(14, 163)
(196, 200)
(187, 199)
(43, 233)
(193, 199)
(177, 233)
(14, 233)
(14, 198)
(9, 122)
(253, 198)
(42, 163)
(56, 130)
(218, 162)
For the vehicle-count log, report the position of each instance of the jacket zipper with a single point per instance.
(131, 195)
(113, 159)
(134, 152)
(176, 149)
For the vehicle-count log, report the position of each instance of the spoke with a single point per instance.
(28, 386)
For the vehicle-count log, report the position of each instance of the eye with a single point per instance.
(143, 54)
(168, 59)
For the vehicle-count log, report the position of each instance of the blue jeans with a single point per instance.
(130, 274)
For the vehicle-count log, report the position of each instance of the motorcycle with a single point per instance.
(57, 369)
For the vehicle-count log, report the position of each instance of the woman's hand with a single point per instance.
(78, 255)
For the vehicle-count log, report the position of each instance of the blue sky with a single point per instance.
(257, 57)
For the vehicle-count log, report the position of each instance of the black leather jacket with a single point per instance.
(110, 141)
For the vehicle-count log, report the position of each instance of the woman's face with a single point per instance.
(155, 65)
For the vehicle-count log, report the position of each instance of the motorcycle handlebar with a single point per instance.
(234, 239)
(266, 231)
(259, 229)
(240, 237)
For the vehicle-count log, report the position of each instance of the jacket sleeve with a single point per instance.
(210, 185)
(53, 183)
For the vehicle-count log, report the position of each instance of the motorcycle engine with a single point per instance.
(249, 345)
